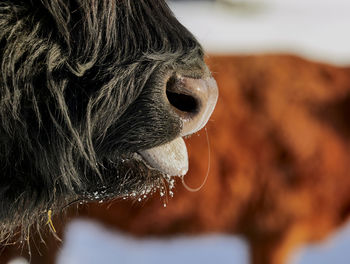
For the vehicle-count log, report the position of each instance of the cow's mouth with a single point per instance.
(193, 101)
(170, 158)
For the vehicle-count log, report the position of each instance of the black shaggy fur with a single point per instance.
(82, 88)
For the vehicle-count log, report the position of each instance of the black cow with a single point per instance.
(95, 97)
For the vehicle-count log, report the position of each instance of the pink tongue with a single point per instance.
(170, 158)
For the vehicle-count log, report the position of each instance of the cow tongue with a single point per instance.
(170, 158)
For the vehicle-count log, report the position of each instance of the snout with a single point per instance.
(193, 100)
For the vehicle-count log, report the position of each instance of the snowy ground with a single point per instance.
(90, 243)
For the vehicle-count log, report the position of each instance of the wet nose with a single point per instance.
(193, 100)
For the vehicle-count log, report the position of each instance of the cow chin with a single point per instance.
(128, 176)
(139, 174)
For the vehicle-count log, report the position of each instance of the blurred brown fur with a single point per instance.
(280, 161)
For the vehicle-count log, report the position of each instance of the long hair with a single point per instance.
(81, 83)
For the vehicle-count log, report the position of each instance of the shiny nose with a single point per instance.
(193, 100)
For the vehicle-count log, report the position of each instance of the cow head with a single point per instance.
(95, 97)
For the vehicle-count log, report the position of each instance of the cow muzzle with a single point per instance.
(193, 101)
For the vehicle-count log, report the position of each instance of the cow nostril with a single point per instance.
(179, 99)
(193, 100)
(183, 102)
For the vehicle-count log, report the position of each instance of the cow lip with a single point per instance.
(170, 158)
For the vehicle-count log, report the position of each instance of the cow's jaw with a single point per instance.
(170, 158)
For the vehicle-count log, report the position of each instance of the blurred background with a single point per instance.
(315, 29)
(279, 185)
